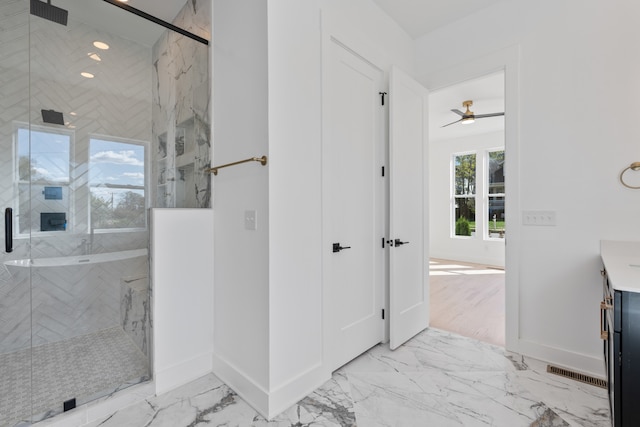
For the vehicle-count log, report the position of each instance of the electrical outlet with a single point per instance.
(250, 220)
(543, 218)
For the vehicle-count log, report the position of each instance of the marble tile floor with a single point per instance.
(84, 367)
(436, 379)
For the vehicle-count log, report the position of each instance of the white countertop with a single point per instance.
(622, 262)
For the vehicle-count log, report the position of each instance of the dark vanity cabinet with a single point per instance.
(620, 331)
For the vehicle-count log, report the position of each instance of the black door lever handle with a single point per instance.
(398, 242)
(338, 248)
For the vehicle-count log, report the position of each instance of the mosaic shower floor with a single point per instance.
(84, 368)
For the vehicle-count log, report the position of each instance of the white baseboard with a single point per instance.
(579, 362)
(253, 393)
(269, 403)
(288, 394)
(167, 379)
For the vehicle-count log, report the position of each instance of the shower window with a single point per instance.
(117, 176)
(43, 170)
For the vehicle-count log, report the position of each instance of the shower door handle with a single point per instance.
(8, 230)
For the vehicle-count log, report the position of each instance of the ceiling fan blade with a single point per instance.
(458, 112)
(481, 116)
(449, 124)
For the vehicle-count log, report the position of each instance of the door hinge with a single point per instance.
(382, 94)
(383, 314)
(383, 243)
(383, 171)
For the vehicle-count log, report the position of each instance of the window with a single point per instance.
(44, 177)
(495, 213)
(478, 194)
(464, 194)
(117, 181)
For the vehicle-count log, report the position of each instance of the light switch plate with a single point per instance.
(543, 218)
(250, 220)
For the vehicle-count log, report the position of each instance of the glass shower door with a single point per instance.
(101, 113)
(15, 280)
(81, 200)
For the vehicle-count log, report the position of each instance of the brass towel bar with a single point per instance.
(262, 160)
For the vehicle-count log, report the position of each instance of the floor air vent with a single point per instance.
(598, 382)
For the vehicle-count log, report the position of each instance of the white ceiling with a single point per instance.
(419, 17)
(487, 94)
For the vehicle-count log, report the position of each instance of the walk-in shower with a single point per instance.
(103, 115)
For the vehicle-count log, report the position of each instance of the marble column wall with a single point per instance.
(181, 112)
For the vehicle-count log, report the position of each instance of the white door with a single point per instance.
(408, 226)
(353, 208)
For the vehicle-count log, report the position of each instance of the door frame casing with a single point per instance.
(507, 60)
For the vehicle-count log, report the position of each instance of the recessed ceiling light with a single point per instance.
(87, 75)
(101, 45)
(94, 56)
(73, 113)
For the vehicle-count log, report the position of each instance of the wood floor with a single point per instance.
(467, 299)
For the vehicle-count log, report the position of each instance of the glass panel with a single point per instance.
(90, 326)
(15, 301)
(43, 158)
(85, 101)
(465, 216)
(496, 211)
(465, 174)
(464, 184)
(117, 179)
(496, 172)
(496, 216)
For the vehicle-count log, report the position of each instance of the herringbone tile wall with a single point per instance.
(40, 69)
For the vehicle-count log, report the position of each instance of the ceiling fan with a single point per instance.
(468, 116)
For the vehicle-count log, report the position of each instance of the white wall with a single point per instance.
(268, 283)
(295, 122)
(577, 102)
(442, 244)
(241, 309)
(182, 297)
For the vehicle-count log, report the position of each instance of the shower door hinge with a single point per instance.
(382, 94)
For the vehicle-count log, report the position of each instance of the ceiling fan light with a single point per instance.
(468, 121)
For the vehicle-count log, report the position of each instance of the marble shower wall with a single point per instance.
(181, 112)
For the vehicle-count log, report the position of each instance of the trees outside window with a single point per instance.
(495, 197)
(464, 191)
(478, 194)
(118, 184)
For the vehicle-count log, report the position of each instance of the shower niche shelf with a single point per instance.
(176, 167)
